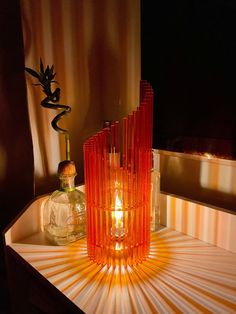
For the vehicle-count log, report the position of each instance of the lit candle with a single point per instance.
(118, 218)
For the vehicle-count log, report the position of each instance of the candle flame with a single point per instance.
(118, 203)
(118, 216)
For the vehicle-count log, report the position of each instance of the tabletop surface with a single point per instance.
(181, 274)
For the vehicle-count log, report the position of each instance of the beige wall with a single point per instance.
(95, 48)
(199, 196)
(201, 178)
(201, 221)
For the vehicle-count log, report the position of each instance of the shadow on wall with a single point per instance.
(103, 86)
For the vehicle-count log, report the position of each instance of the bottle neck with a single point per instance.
(67, 183)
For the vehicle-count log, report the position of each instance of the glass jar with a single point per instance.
(155, 191)
(64, 213)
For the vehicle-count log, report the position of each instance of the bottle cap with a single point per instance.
(66, 168)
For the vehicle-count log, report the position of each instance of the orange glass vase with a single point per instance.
(118, 183)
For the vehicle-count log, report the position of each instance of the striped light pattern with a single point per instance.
(200, 221)
(181, 275)
(118, 189)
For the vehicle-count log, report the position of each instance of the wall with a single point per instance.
(201, 221)
(16, 155)
(202, 178)
(199, 196)
(95, 48)
(16, 152)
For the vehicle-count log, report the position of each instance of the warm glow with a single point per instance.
(117, 218)
(206, 223)
(118, 204)
(118, 187)
(219, 175)
(119, 246)
(58, 30)
(181, 275)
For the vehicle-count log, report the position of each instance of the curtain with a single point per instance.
(95, 49)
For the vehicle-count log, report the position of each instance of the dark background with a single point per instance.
(189, 57)
(16, 157)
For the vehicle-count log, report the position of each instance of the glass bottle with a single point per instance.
(155, 191)
(64, 213)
